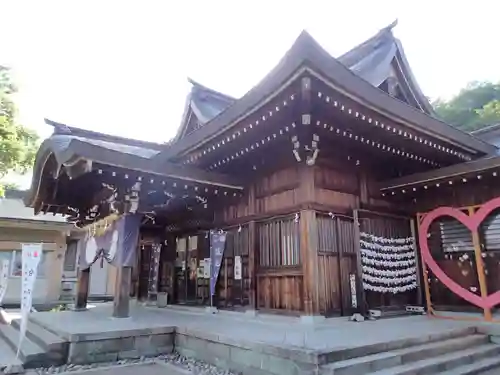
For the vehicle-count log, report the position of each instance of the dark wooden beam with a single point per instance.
(360, 293)
(121, 300)
(82, 289)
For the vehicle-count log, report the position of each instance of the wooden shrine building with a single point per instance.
(319, 176)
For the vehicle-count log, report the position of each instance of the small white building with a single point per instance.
(58, 266)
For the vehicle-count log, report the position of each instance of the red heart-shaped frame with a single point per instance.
(472, 222)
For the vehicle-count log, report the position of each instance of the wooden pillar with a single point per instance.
(425, 275)
(121, 300)
(309, 258)
(338, 278)
(360, 292)
(417, 262)
(252, 266)
(82, 289)
(363, 188)
(252, 249)
(483, 286)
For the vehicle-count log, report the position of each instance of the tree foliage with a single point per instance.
(476, 106)
(18, 144)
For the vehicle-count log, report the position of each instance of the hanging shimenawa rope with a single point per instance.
(388, 264)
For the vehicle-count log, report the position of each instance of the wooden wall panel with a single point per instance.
(280, 291)
(278, 201)
(234, 209)
(336, 199)
(337, 179)
(276, 191)
(329, 287)
(277, 182)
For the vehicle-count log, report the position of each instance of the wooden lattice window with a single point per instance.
(279, 243)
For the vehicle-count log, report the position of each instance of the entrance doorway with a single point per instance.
(144, 266)
(186, 270)
(337, 265)
(98, 279)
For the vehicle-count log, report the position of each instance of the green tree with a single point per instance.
(18, 144)
(475, 106)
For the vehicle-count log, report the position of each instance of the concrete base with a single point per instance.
(4, 317)
(211, 310)
(251, 313)
(14, 369)
(268, 345)
(121, 345)
(77, 309)
(312, 319)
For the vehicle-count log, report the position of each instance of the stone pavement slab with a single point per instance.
(331, 334)
(134, 369)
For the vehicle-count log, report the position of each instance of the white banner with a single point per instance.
(206, 268)
(31, 254)
(4, 278)
(237, 267)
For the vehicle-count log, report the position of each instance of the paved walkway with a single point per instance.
(334, 333)
(136, 369)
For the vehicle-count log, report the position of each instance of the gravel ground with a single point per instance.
(190, 364)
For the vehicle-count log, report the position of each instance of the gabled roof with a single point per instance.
(376, 58)
(63, 129)
(307, 54)
(202, 105)
(372, 60)
(69, 145)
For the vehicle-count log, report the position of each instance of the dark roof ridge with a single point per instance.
(307, 54)
(486, 129)
(384, 32)
(219, 94)
(60, 128)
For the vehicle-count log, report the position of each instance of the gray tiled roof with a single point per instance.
(371, 60)
(12, 207)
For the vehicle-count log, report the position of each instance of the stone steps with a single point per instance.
(7, 355)
(469, 354)
(42, 337)
(351, 352)
(374, 362)
(477, 368)
(447, 362)
(39, 348)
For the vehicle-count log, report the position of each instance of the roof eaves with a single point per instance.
(344, 78)
(452, 171)
(485, 130)
(304, 52)
(63, 129)
(77, 149)
(252, 100)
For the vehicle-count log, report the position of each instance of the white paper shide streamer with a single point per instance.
(4, 278)
(31, 254)
(388, 264)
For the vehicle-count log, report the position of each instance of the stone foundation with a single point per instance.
(248, 358)
(114, 346)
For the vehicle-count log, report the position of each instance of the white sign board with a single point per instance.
(237, 267)
(31, 255)
(4, 278)
(354, 298)
(206, 268)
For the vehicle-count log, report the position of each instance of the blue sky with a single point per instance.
(121, 66)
